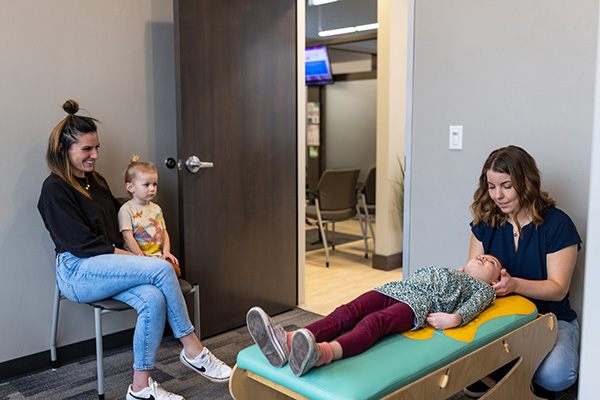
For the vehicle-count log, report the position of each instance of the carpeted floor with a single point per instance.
(313, 240)
(77, 381)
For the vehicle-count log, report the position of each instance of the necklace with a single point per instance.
(87, 183)
(516, 230)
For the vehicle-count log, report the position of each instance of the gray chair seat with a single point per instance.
(330, 215)
(110, 304)
(106, 306)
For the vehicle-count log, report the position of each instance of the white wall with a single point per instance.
(510, 72)
(116, 58)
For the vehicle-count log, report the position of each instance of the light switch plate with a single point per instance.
(455, 137)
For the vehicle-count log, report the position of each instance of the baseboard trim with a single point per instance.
(387, 263)
(65, 354)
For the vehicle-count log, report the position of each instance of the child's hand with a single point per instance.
(444, 320)
(174, 262)
(171, 258)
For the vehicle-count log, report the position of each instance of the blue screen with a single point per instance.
(317, 66)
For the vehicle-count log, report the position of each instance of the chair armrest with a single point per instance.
(311, 194)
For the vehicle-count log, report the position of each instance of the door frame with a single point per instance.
(301, 112)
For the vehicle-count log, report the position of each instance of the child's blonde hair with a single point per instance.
(136, 166)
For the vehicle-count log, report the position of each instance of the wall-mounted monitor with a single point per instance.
(317, 66)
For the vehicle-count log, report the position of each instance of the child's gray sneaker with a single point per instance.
(305, 352)
(207, 365)
(270, 337)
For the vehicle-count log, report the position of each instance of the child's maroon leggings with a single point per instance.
(364, 320)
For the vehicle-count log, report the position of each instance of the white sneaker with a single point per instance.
(152, 392)
(207, 365)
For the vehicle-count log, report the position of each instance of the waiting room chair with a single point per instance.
(367, 199)
(106, 306)
(335, 201)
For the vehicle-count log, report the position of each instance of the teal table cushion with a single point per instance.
(392, 363)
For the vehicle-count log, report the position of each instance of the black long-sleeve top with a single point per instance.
(81, 226)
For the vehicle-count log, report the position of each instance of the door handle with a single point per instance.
(193, 164)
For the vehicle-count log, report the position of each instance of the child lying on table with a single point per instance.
(437, 296)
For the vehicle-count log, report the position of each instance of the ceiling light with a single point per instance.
(319, 2)
(367, 27)
(350, 29)
(339, 31)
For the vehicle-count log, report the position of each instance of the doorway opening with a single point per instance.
(346, 138)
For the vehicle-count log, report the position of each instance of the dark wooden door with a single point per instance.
(236, 108)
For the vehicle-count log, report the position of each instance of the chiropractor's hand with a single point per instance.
(506, 285)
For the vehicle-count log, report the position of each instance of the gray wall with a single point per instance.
(590, 348)
(116, 58)
(351, 123)
(510, 72)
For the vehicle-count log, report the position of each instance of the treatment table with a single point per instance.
(421, 364)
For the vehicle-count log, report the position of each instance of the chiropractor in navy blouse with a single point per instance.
(537, 244)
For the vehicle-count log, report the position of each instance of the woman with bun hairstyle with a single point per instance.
(80, 213)
(536, 243)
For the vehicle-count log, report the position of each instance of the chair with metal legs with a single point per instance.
(335, 201)
(106, 306)
(367, 200)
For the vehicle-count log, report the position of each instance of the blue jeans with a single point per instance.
(558, 371)
(147, 284)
